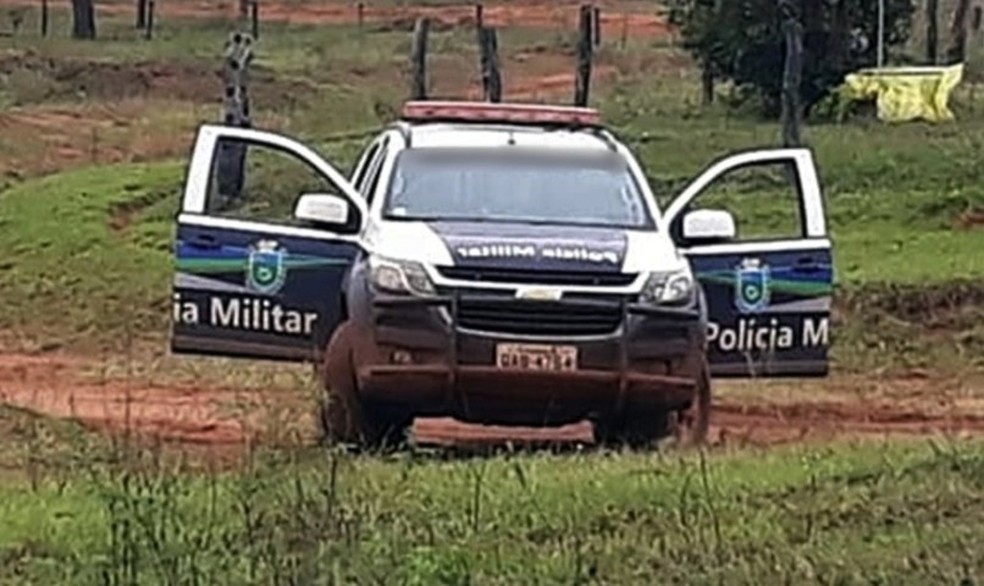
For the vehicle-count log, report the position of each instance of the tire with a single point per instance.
(642, 430)
(691, 427)
(344, 417)
(634, 431)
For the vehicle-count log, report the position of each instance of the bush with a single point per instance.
(742, 41)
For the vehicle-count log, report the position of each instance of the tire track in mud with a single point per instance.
(205, 415)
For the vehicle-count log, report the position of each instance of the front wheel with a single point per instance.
(691, 426)
(343, 415)
(634, 430)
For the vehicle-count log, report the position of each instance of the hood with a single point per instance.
(533, 247)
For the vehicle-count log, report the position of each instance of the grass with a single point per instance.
(64, 254)
(899, 513)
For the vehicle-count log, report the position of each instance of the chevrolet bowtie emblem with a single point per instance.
(539, 293)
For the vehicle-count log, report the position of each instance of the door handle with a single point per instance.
(204, 241)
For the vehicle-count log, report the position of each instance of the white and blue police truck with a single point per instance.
(501, 264)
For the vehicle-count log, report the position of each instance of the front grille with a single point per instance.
(508, 315)
(501, 275)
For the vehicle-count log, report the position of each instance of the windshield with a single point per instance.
(513, 184)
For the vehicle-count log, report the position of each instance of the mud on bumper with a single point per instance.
(424, 354)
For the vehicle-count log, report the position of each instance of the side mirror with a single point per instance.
(322, 208)
(708, 226)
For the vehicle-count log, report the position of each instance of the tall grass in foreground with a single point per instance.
(851, 513)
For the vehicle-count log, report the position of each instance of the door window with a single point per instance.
(260, 182)
(764, 199)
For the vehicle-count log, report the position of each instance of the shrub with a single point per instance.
(742, 41)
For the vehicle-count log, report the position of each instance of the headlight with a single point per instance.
(398, 276)
(668, 287)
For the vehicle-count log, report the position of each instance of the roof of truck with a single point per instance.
(483, 124)
(467, 135)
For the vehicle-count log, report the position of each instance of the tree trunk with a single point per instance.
(956, 51)
(83, 19)
(791, 81)
(840, 37)
(811, 15)
(707, 85)
(932, 30)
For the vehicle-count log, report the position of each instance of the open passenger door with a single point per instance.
(768, 277)
(266, 232)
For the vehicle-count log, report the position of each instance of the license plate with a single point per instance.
(536, 357)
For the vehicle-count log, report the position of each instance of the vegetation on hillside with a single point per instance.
(744, 42)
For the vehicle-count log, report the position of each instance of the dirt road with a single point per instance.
(226, 418)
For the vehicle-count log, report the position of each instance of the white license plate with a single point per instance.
(536, 357)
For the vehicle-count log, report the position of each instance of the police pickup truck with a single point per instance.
(497, 263)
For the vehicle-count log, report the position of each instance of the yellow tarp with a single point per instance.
(906, 93)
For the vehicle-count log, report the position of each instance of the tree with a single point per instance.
(742, 41)
(83, 19)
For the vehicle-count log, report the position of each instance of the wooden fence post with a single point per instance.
(44, 18)
(479, 17)
(932, 30)
(83, 19)
(418, 59)
(149, 31)
(792, 75)
(141, 20)
(491, 78)
(596, 25)
(360, 14)
(582, 82)
(706, 84)
(236, 112)
(625, 31)
(255, 14)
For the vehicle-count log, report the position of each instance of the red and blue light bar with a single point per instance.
(450, 111)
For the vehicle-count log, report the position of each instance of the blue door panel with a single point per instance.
(768, 312)
(243, 293)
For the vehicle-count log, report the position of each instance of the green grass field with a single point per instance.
(905, 512)
(87, 266)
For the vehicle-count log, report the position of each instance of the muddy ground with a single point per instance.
(226, 420)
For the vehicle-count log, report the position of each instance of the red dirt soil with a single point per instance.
(199, 414)
(73, 136)
(132, 112)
